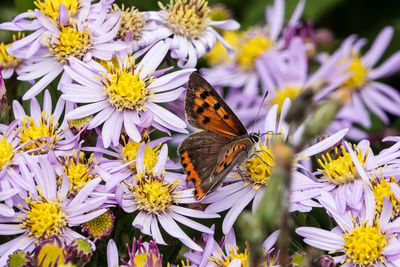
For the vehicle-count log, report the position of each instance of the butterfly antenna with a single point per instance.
(259, 109)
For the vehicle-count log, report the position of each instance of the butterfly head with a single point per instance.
(255, 137)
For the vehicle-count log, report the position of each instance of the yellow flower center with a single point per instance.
(7, 61)
(51, 254)
(257, 170)
(381, 189)
(152, 195)
(224, 261)
(6, 152)
(150, 155)
(124, 88)
(342, 169)
(79, 171)
(18, 258)
(219, 12)
(101, 225)
(288, 92)
(359, 74)
(364, 245)
(49, 8)
(71, 42)
(43, 136)
(219, 54)
(80, 123)
(250, 49)
(44, 218)
(141, 259)
(132, 22)
(189, 18)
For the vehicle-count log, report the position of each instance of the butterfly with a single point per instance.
(208, 156)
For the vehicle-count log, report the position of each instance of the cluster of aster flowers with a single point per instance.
(88, 161)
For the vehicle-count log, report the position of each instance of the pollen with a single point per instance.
(250, 49)
(51, 254)
(218, 55)
(234, 253)
(359, 74)
(150, 155)
(71, 42)
(43, 218)
(189, 18)
(288, 92)
(152, 194)
(341, 170)
(100, 226)
(381, 189)
(132, 22)
(6, 152)
(364, 245)
(124, 88)
(79, 171)
(41, 137)
(7, 61)
(257, 170)
(50, 8)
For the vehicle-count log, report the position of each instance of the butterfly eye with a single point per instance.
(254, 138)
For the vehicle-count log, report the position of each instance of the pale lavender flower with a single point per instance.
(349, 238)
(48, 210)
(241, 72)
(125, 96)
(362, 86)
(249, 184)
(227, 252)
(82, 39)
(159, 200)
(135, 252)
(192, 35)
(41, 131)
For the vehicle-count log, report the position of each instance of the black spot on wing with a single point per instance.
(206, 120)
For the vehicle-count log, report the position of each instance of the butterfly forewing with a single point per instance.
(199, 154)
(205, 109)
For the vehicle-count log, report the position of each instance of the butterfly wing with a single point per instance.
(205, 109)
(199, 154)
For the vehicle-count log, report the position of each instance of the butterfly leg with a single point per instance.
(263, 160)
(240, 172)
(258, 151)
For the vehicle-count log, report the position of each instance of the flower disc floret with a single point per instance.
(250, 49)
(6, 152)
(257, 170)
(44, 218)
(7, 60)
(51, 253)
(150, 155)
(43, 136)
(341, 170)
(125, 89)
(381, 189)
(224, 261)
(132, 21)
(100, 226)
(71, 42)
(189, 18)
(288, 92)
(50, 8)
(364, 245)
(153, 195)
(359, 74)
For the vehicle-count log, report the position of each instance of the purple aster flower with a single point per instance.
(125, 95)
(241, 72)
(248, 185)
(41, 132)
(81, 39)
(159, 200)
(141, 253)
(190, 29)
(362, 86)
(227, 253)
(48, 210)
(349, 238)
(345, 173)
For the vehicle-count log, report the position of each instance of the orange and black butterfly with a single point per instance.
(208, 156)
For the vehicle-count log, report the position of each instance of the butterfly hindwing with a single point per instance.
(199, 154)
(205, 109)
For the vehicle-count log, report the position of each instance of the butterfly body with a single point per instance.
(209, 155)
